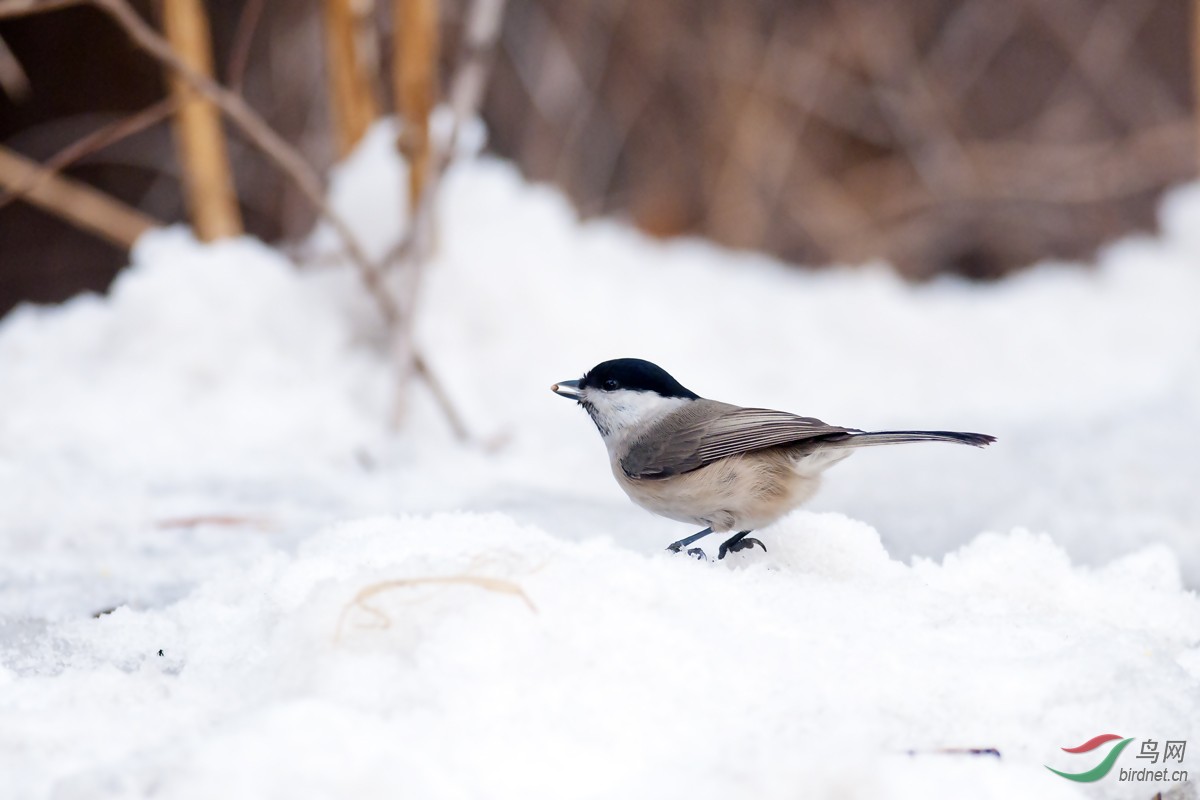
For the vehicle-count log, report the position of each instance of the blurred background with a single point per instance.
(946, 136)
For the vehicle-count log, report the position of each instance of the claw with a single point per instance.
(742, 544)
(694, 552)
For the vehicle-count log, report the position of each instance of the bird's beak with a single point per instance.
(567, 389)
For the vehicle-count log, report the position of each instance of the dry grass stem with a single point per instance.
(489, 584)
(350, 87)
(261, 135)
(203, 157)
(415, 91)
(239, 52)
(415, 86)
(78, 203)
(1196, 75)
(287, 159)
(95, 141)
(13, 80)
(215, 520)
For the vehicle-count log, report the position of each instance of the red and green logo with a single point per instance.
(1100, 770)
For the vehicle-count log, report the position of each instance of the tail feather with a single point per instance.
(868, 439)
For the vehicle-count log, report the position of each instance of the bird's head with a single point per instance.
(625, 393)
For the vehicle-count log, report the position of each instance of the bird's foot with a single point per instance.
(694, 552)
(737, 545)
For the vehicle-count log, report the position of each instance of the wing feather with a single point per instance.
(706, 431)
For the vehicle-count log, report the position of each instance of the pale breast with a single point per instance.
(744, 492)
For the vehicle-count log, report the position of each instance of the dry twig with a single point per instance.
(95, 141)
(13, 80)
(239, 52)
(490, 584)
(283, 155)
(76, 202)
(415, 85)
(261, 135)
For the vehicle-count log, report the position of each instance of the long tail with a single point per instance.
(868, 439)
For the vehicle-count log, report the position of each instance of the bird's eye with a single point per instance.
(611, 385)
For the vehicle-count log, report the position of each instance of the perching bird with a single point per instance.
(727, 468)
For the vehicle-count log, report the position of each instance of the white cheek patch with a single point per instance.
(616, 412)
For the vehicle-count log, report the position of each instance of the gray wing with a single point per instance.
(705, 431)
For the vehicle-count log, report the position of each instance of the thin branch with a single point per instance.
(13, 80)
(94, 142)
(270, 143)
(441, 397)
(415, 61)
(239, 53)
(75, 202)
(14, 9)
(286, 158)
(1058, 174)
(474, 64)
(427, 164)
(466, 93)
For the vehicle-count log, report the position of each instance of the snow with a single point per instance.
(344, 610)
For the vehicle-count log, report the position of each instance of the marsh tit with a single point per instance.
(727, 468)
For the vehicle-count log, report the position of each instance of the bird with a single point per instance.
(704, 462)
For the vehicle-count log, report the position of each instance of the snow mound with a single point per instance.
(494, 659)
(196, 351)
(201, 463)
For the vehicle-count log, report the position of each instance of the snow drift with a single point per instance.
(206, 450)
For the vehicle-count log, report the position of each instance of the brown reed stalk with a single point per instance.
(350, 92)
(1196, 74)
(415, 86)
(256, 130)
(200, 140)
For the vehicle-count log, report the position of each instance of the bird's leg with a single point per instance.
(675, 547)
(739, 542)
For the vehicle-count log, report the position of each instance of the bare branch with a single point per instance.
(95, 141)
(270, 143)
(283, 155)
(474, 62)
(466, 93)
(13, 80)
(416, 43)
(253, 126)
(13, 9)
(75, 202)
(239, 53)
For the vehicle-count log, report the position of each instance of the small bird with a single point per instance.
(727, 468)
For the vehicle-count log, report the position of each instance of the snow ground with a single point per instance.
(206, 450)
